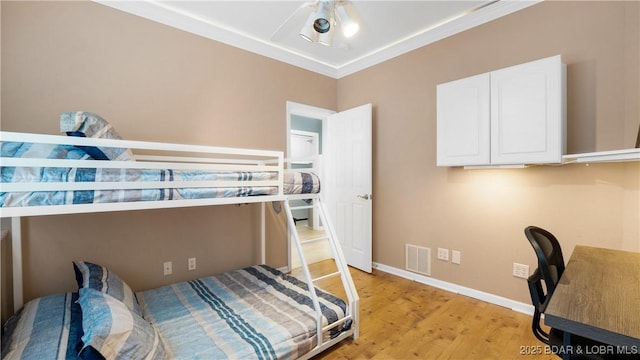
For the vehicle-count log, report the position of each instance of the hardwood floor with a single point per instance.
(402, 319)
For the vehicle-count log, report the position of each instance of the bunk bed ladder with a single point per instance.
(343, 268)
(338, 257)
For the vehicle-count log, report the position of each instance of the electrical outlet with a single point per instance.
(443, 254)
(520, 270)
(192, 264)
(168, 268)
(455, 257)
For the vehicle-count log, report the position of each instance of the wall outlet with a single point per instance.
(520, 270)
(443, 254)
(168, 268)
(192, 264)
(455, 257)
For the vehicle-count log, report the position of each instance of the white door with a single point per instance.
(347, 185)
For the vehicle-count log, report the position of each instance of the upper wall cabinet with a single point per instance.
(511, 116)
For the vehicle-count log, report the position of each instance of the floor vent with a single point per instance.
(418, 259)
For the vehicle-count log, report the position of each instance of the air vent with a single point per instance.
(418, 259)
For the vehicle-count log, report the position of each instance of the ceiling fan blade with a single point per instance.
(289, 24)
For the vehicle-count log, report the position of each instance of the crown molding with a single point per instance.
(167, 15)
(435, 33)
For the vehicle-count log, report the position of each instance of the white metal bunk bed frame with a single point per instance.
(208, 159)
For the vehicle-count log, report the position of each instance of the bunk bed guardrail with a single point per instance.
(191, 159)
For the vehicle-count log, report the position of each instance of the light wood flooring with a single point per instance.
(402, 319)
(314, 252)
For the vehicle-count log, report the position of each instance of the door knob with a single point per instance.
(365, 196)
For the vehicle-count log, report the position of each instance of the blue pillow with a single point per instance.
(86, 124)
(41, 151)
(98, 277)
(112, 331)
(48, 327)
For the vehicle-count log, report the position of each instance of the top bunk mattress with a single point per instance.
(294, 183)
(159, 184)
(75, 175)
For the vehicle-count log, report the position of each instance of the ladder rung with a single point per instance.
(313, 240)
(327, 276)
(336, 323)
(302, 207)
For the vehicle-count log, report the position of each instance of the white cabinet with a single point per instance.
(464, 122)
(510, 116)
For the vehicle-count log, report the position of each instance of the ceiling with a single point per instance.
(270, 28)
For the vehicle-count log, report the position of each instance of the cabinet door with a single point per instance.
(463, 133)
(528, 113)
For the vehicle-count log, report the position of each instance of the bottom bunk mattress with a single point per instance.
(256, 312)
(252, 313)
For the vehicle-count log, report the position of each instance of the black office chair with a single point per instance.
(549, 271)
(550, 268)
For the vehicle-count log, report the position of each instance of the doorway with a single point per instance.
(304, 152)
(344, 165)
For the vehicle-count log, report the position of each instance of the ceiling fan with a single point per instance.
(325, 18)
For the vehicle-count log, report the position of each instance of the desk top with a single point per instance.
(598, 296)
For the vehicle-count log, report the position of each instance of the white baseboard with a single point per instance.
(458, 289)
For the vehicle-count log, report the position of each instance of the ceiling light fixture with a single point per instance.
(307, 31)
(323, 18)
(325, 38)
(349, 26)
(320, 24)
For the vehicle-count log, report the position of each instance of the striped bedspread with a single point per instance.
(49, 327)
(253, 313)
(256, 312)
(294, 182)
(301, 183)
(130, 175)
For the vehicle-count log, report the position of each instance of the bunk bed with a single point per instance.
(256, 312)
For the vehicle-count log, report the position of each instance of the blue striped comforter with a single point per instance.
(294, 183)
(256, 312)
(128, 195)
(253, 313)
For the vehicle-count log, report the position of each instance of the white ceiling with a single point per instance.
(270, 28)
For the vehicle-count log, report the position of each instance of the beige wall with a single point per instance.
(152, 82)
(483, 213)
(157, 83)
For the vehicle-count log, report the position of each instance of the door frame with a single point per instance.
(308, 111)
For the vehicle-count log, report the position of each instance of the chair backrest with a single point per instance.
(549, 253)
(550, 268)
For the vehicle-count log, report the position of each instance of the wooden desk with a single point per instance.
(598, 297)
